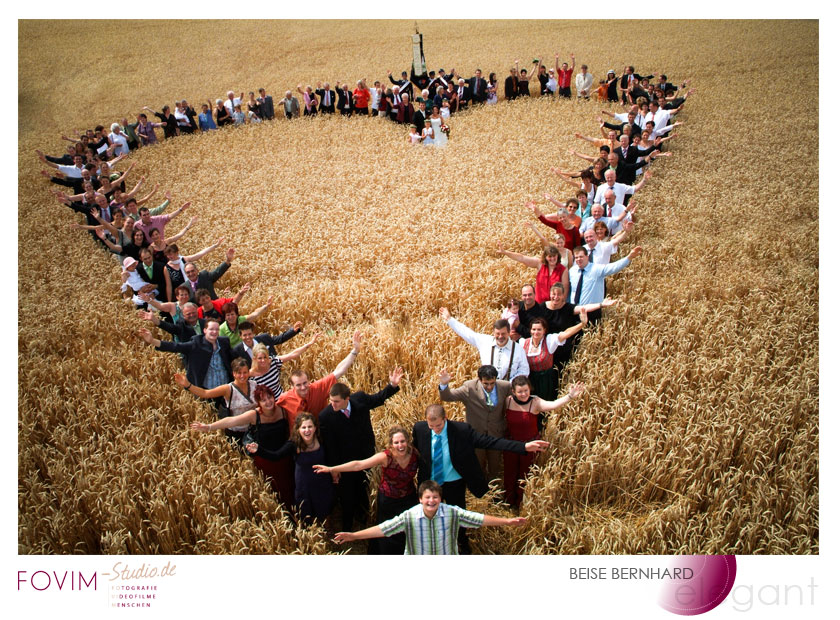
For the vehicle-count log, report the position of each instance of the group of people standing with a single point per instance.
(315, 439)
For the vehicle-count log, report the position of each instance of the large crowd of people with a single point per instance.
(315, 439)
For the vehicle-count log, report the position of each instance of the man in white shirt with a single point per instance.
(374, 98)
(71, 172)
(613, 223)
(600, 252)
(497, 350)
(620, 189)
(659, 117)
(231, 102)
(583, 82)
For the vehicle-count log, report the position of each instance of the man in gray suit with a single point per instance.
(484, 401)
(266, 105)
(291, 106)
(197, 280)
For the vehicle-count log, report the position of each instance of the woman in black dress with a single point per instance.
(222, 115)
(562, 315)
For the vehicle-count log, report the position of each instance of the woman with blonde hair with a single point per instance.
(265, 368)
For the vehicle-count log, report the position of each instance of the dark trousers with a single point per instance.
(565, 92)
(347, 111)
(362, 111)
(352, 495)
(455, 494)
(388, 508)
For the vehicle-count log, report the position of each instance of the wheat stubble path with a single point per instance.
(699, 431)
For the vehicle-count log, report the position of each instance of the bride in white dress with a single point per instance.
(440, 138)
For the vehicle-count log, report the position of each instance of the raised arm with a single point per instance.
(580, 136)
(588, 158)
(491, 521)
(641, 183)
(371, 532)
(168, 306)
(575, 390)
(44, 159)
(261, 310)
(377, 459)
(159, 209)
(136, 189)
(459, 328)
(202, 253)
(554, 201)
(593, 307)
(241, 293)
(539, 235)
(182, 232)
(101, 235)
(534, 68)
(566, 176)
(124, 174)
(216, 392)
(528, 261)
(180, 210)
(560, 337)
(293, 355)
(249, 417)
(344, 365)
(108, 225)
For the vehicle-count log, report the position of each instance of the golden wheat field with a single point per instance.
(698, 432)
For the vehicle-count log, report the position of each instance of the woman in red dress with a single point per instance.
(549, 269)
(521, 411)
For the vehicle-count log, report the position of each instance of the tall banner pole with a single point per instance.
(417, 45)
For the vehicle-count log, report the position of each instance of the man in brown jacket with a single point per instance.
(484, 400)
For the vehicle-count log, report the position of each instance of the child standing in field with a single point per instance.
(413, 136)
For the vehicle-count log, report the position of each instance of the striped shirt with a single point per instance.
(271, 379)
(435, 536)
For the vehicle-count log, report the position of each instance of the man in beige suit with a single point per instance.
(484, 399)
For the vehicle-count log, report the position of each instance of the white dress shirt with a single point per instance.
(487, 348)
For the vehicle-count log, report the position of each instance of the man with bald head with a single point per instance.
(197, 280)
(613, 224)
(622, 190)
(526, 311)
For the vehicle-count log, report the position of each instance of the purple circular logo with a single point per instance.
(711, 580)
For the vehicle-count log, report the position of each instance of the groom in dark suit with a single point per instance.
(478, 87)
(347, 433)
(447, 456)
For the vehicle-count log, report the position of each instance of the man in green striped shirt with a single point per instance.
(430, 528)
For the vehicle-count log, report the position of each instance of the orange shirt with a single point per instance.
(316, 401)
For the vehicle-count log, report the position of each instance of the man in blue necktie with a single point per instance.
(484, 400)
(448, 456)
(586, 280)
